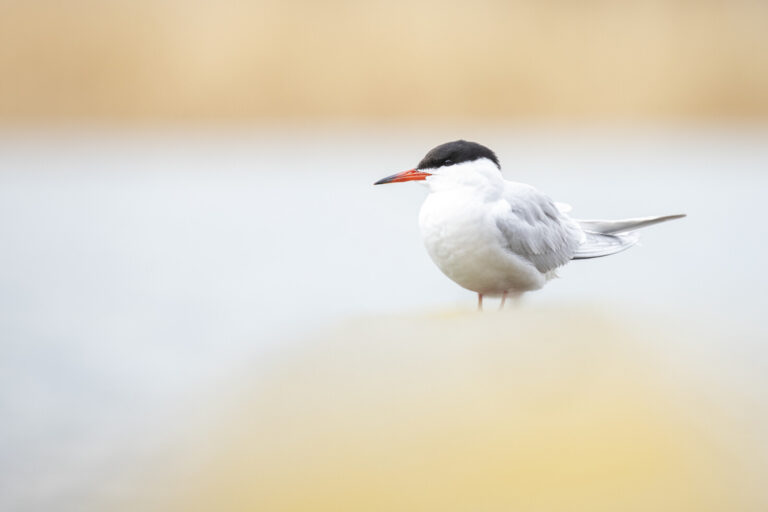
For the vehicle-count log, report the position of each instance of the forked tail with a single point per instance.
(606, 237)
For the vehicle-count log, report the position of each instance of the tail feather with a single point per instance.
(606, 237)
(615, 227)
(596, 245)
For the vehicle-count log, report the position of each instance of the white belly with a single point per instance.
(461, 237)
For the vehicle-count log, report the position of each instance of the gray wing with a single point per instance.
(536, 230)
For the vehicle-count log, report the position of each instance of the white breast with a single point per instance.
(460, 233)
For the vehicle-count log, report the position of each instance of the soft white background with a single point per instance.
(138, 270)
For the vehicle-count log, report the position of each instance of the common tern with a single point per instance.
(501, 238)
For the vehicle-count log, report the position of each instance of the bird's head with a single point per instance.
(452, 164)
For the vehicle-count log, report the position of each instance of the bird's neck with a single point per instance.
(477, 186)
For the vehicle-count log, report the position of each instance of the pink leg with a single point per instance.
(503, 300)
(479, 301)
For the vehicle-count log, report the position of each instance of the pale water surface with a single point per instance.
(137, 271)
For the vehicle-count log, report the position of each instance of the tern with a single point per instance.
(501, 238)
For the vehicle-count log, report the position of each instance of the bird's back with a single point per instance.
(535, 229)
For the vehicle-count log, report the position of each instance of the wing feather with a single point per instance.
(540, 230)
(535, 229)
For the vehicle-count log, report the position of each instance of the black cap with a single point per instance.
(456, 152)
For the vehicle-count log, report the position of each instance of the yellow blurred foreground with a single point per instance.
(523, 411)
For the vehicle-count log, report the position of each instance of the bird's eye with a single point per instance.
(448, 162)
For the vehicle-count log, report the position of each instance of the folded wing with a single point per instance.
(539, 230)
(533, 228)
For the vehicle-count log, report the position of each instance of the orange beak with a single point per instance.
(412, 175)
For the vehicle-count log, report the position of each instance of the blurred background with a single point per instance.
(193, 61)
(205, 305)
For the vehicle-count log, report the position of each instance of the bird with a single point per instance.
(503, 238)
